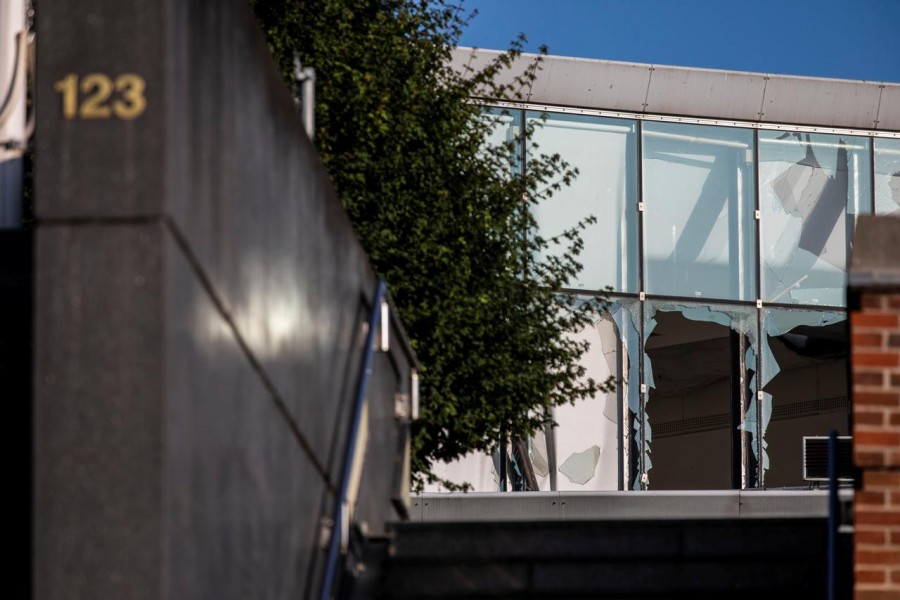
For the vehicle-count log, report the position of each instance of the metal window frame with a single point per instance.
(632, 468)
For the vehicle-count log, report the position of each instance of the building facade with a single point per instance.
(726, 206)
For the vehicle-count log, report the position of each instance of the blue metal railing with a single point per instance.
(340, 528)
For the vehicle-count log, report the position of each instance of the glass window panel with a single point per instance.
(604, 152)
(887, 176)
(586, 444)
(804, 376)
(699, 235)
(505, 128)
(700, 369)
(808, 185)
(582, 452)
(478, 470)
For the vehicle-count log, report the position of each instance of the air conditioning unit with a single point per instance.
(815, 458)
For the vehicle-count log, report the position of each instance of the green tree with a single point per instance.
(441, 215)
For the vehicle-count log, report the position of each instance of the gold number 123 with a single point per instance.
(101, 97)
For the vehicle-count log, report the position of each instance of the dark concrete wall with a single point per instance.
(200, 314)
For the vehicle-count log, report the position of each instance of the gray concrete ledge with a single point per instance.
(539, 506)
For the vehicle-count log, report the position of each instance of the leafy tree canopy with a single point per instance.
(442, 215)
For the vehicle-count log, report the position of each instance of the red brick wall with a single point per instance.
(875, 343)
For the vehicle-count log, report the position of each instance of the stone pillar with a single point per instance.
(200, 312)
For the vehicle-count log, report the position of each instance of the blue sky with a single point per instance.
(850, 39)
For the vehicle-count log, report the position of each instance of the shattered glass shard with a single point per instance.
(580, 466)
(538, 452)
(606, 329)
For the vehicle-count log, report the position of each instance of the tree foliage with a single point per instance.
(441, 215)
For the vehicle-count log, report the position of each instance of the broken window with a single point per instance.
(887, 176)
(604, 152)
(714, 391)
(700, 373)
(805, 386)
(583, 451)
(699, 226)
(808, 185)
(585, 437)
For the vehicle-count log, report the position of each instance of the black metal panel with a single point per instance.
(16, 358)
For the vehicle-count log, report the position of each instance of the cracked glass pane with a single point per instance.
(627, 314)
(808, 185)
(750, 459)
(887, 176)
(537, 451)
(804, 371)
(700, 439)
(699, 226)
(604, 152)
